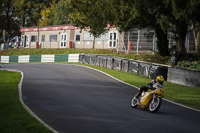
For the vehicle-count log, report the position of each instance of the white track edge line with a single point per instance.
(24, 105)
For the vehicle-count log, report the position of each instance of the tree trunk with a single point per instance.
(197, 39)
(180, 42)
(162, 42)
(93, 42)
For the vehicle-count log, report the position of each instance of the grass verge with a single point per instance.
(13, 117)
(189, 96)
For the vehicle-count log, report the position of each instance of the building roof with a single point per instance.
(48, 28)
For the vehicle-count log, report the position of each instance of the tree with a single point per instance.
(125, 15)
(61, 12)
(47, 15)
(142, 14)
(56, 13)
(185, 15)
(29, 12)
(10, 23)
(89, 13)
(194, 20)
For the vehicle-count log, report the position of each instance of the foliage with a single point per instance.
(56, 13)
(61, 12)
(189, 64)
(9, 22)
(46, 14)
(178, 16)
(89, 13)
(123, 14)
(19, 13)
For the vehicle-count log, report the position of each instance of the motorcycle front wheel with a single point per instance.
(155, 104)
(134, 102)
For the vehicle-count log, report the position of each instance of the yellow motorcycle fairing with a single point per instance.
(147, 96)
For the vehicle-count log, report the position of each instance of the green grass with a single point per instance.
(13, 117)
(189, 96)
(15, 52)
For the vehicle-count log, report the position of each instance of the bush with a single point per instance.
(189, 64)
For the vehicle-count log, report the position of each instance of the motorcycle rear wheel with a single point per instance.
(155, 104)
(134, 102)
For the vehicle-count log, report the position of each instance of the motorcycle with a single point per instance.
(151, 99)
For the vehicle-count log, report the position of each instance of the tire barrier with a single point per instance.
(124, 65)
(40, 58)
(117, 64)
(110, 62)
(133, 67)
(149, 70)
(102, 61)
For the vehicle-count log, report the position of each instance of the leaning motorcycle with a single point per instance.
(151, 99)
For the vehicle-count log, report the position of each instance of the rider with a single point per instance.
(158, 81)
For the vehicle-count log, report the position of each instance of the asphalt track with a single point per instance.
(75, 99)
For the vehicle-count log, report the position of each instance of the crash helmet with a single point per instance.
(160, 79)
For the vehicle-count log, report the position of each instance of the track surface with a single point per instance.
(75, 99)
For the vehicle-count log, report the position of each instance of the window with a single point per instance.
(43, 38)
(33, 38)
(63, 40)
(53, 38)
(78, 37)
(113, 40)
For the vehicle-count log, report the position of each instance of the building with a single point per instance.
(66, 36)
